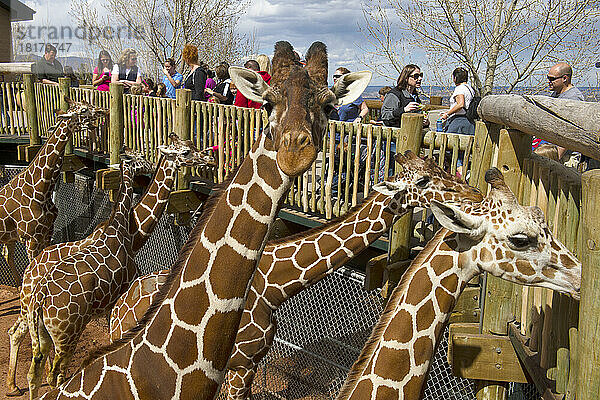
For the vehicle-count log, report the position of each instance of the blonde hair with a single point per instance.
(264, 63)
(126, 55)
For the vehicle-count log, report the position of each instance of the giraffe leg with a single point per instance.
(59, 366)
(41, 350)
(10, 260)
(16, 333)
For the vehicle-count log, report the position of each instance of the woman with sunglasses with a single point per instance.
(101, 75)
(404, 97)
(456, 117)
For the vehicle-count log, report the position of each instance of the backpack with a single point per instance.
(472, 114)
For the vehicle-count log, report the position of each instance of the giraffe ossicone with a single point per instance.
(144, 217)
(498, 236)
(187, 335)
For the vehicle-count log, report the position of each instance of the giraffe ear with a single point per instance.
(249, 82)
(454, 219)
(349, 86)
(388, 188)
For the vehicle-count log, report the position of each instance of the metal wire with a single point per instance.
(320, 331)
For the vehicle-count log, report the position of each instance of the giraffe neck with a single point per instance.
(191, 335)
(118, 222)
(396, 358)
(148, 210)
(306, 259)
(42, 173)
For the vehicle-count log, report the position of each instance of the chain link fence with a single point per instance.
(320, 331)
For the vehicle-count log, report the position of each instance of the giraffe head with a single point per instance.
(420, 181)
(298, 101)
(185, 154)
(135, 161)
(511, 241)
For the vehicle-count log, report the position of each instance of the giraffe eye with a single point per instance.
(422, 182)
(268, 107)
(328, 108)
(520, 241)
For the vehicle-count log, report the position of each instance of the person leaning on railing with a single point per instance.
(48, 69)
(404, 97)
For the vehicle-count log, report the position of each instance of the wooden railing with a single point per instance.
(356, 156)
(13, 120)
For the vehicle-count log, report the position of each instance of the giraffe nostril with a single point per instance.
(303, 140)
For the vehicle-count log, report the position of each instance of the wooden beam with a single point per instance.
(71, 163)
(482, 356)
(21, 151)
(16, 67)
(568, 123)
(183, 201)
(531, 362)
(467, 308)
(108, 179)
(374, 272)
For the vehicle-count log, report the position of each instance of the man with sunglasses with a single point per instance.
(559, 80)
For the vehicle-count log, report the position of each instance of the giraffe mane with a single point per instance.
(369, 348)
(187, 248)
(321, 228)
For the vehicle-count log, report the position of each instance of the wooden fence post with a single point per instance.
(64, 87)
(31, 110)
(588, 347)
(409, 138)
(117, 122)
(183, 115)
(501, 295)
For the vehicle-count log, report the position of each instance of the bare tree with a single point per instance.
(159, 29)
(507, 42)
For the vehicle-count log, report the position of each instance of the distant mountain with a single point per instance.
(72, 61)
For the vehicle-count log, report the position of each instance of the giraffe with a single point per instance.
(82, 286)
(180, 348)
(292, 264)
(498, 236)
(27, 212)
(143, 219)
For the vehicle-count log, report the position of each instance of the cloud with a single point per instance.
(301, 22)
(334, 22)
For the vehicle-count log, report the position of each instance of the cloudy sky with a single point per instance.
(301, 22)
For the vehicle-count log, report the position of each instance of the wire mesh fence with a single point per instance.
(320, 331)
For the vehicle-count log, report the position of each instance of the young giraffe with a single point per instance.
(27, 212)
(498, 236)
(181, 347)
(82, 286)
(290, 265)
(143, 219)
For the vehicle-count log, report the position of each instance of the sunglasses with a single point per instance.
(416, 76)
(105, 60)
(336, 76)
(553, 78)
